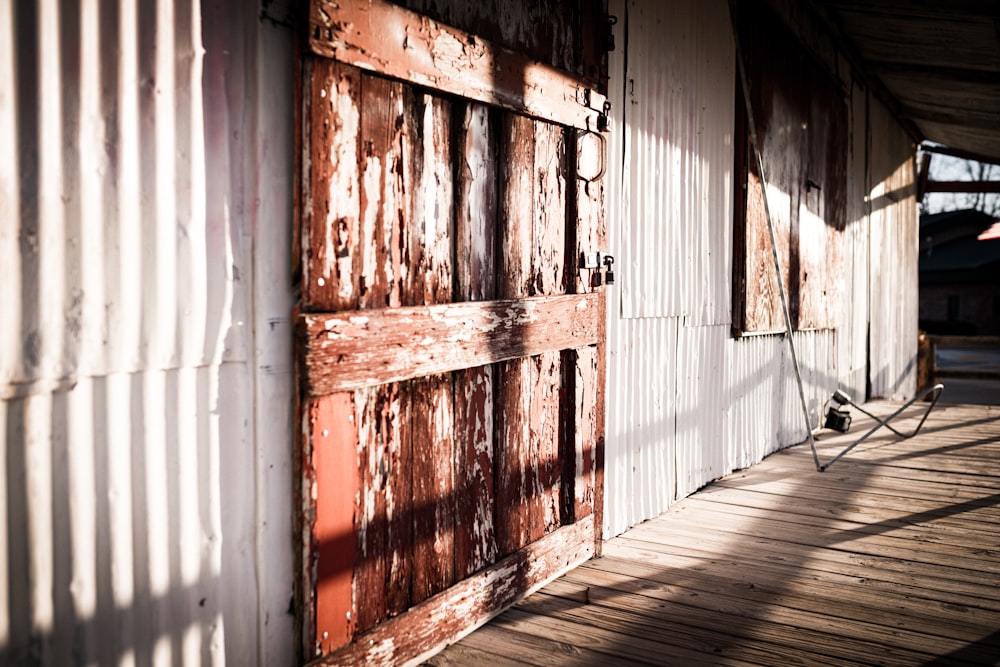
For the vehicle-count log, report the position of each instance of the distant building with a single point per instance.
(959, 273)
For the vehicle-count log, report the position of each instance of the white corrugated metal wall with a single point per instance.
(686, 401)
(145, 290)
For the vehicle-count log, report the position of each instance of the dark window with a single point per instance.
(801, 119)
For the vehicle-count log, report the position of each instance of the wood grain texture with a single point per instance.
(365, 348)
(335, 466)
(393, 41)
(550, 223)
(431, 435)
(517, 486)
(425, 628)
(588, 369)
(889, 557)
(476, 228)
(384, 526)
(331, 224)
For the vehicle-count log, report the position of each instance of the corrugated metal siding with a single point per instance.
(128, 366)
(678, 161)
(640, 466)
(894, 250)
(687, 402)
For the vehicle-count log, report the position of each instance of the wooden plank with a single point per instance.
(345, 351)
(430, 231)
(779, 564)
(517, 498)
(626, 617)
(444, 618)
(334, 438)
(426, 278)
(384, 187)
(846, 566)
(768, 515)
(748, 617)
(496, 640)
(331, 224)
(767, 583)
(588, 209)
(549, 277)
(546, 616)
(384, 570)
(393, 41)
(431, 422)
(475, 230)
(724, 538)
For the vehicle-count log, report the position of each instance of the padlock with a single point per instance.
(609, 272)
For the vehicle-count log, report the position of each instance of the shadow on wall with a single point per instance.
(128, 482)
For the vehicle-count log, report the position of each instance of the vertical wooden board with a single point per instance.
(580, 370)
(543, 462)
(335, 492)
(548, 251)
(779, 102)
(513, 468)
(331, 202)
(824, 205)
(382, 574)
(475, 537)
(516, 215)
(383, 183)
(430, 432)
(476, 203)
(548, 257)
(514, 465)
(475, 229)
(394, 414)
(588, 369)
(428, 280)
(432, 204)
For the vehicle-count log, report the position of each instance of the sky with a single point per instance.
(947, 168)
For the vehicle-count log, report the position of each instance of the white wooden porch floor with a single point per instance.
(891, 557)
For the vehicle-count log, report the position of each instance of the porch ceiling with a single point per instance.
(939, 61)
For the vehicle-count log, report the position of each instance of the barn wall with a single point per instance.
(687, 402)
(144, 277)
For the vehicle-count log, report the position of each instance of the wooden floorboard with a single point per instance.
(890, 557)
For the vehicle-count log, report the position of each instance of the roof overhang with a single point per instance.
(937, 60)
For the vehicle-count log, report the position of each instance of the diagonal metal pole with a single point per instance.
(770, 229)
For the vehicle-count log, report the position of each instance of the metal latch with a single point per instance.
(600, 264)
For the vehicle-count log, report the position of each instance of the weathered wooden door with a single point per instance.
(450, 337)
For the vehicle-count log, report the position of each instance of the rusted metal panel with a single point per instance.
(334, 469)
(373, 347)
(396, 42)
(414, 636)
